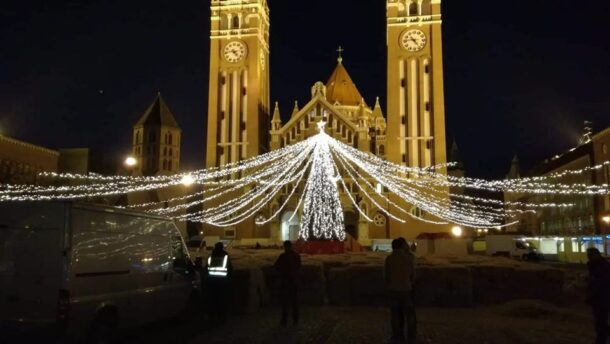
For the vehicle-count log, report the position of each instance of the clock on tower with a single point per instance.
(416, 109)
(238, 102)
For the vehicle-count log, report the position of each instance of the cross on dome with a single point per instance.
(340, 50)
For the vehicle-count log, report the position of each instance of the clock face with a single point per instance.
(413, 40)
(235, 51)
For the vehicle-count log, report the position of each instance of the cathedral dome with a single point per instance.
(340, 87)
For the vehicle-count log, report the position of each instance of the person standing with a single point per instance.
(598, 292)
(219, 271)
(399, 272)
(288, 265)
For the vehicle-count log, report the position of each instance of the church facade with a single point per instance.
(410, 132)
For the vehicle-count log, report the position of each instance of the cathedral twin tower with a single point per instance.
(242, 123)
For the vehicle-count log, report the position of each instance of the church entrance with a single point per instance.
(290, 228)
(351, 223)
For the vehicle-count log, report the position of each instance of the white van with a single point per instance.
(511, 246)
(88, 269)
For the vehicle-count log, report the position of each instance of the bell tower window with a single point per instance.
(413, 9)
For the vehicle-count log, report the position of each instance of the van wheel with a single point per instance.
(104, 328)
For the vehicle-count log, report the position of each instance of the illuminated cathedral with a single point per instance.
(243, 124)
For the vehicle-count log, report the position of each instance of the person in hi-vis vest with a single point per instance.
(219, 272)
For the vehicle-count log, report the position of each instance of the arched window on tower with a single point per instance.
(169, 165)
(413, 10)
(235, 22)
(164, 151)
(137, 137)
(426, 8)
(381, 150)
(170, 152)
(165, 164)
(170, 138)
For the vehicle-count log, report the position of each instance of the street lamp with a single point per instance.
(606, 219)
(187, 180)
(457, 231)
(131, 161)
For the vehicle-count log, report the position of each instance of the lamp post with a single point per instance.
(130, 162)
(187, 180)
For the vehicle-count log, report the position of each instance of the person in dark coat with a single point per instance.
(219, 270)
(399, 273)
(598, 292)
(288, 265)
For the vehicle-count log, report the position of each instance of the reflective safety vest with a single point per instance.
(216, 269)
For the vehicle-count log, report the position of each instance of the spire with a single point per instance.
(158, 113)
(515, 168)
(362, 114)
(377, 109)
(454, 156)
(295, 110)
(276, 114)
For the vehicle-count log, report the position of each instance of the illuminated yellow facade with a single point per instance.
(238, 108)
(413, 135)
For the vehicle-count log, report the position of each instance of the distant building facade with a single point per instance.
(587, 214)
(21, 162)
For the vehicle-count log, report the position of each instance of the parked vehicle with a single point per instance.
(89, 270)
(511, 246)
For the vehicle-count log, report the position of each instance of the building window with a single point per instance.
(381, 150)
(428, 106)
(236, 22)
(404, 158)
(170, 139)
(137, 137)
(169, 165)
(403, 120)
(426, 8)
(170, 152)
(413, 11)
(165, 151)
(427, 69)
(417, 212)
(165, 164)
(403, 82)
(605, 148)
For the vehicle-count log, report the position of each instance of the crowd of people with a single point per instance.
(399, 274)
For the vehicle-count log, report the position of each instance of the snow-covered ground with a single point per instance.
(515, 322)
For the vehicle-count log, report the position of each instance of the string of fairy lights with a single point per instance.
(317, 178)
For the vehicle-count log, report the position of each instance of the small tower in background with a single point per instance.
(156, 140)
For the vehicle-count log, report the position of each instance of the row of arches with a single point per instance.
(152, 138)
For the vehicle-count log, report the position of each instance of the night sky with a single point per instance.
(520, 77)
